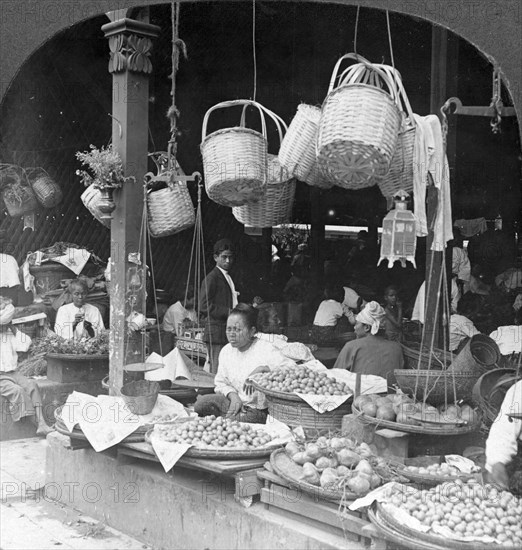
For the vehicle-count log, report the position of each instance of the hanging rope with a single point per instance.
(356, 30)
(177, 45)
(254, 47)
(390, 38)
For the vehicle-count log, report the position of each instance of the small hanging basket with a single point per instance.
(298, 149)
(359, 125)
(276, 206)
(235, 159)
(17, 194)
(169, 206)
(92, 198)
(400, 175)
(47, 191)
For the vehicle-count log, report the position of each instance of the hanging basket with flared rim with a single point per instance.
(235, 159)
(400, 175)
(276, 206)
(359, 125)
(92, 198)
(169, 210)
(47, 191)
(298, 148)
(17, 194)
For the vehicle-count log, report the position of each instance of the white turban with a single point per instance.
(372, 315)
(6, 314)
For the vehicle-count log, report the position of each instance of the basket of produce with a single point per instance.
(400, 412)
(458, 515)
(359, 126)
(435, 358)
(235, 159)
(432, 470)
(140, 396)
(275, 207)
(322, 404)
(92, 198)
(212, 437)
(47, 191)
(297, 153)
(437, 386)
(333, 468)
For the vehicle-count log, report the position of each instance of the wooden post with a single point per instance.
(130, 43)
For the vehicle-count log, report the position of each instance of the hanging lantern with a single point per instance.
(398, 240)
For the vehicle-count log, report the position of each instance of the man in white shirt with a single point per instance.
(179, 316)
(21, 393)
(505, 436)
(9, 274)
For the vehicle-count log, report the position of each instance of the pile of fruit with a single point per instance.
(438, 470)
(466, 509)
(156, 419)
(211, 432)
(302, 380)
(337, 464)
(401, 408)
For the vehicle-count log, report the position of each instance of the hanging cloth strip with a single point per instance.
(470, 228)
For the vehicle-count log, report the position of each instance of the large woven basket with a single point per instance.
(170, 210)
(435, 358)
(235, 159)
(276, 206)
(91, 198)
(400, 175)
(47, 191)
(298, 149)
(140, 396)
(439, 384)
(299, 413)
(359, 125)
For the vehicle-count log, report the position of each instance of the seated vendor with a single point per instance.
(21, 393)
(329, 312)
(503, 446)
(242, 357)
(461, 326)
(78, 320)
(181, 315)
(371, 353)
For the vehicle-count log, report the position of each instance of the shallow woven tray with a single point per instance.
(442, 430)
(430, 480)
(437, 541)
(226, 454)
(194, 384)
(78, 434)
(79, 356)
(287, 469)
(279, 394)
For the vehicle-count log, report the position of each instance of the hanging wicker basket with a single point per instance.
(359, 125)
(170, 210)
(298, 148)
(400, 175)
(47, 191)
(91, 199)
(276, 206)
(18, 197)
(235, 159)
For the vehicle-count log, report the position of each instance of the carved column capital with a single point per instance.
(130, 44)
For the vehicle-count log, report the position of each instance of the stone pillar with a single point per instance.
(130, 43)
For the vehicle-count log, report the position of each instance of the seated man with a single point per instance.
(371, 353)
(180, 315)
(461, 326)
(78, 319)
(22, 394)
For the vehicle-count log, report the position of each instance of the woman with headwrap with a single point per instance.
(371, 353)
(21, 393)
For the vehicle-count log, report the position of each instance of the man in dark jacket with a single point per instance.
(217, 297)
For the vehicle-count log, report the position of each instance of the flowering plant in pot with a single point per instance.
(106, 174)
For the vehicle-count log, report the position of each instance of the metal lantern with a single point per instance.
(398, 240)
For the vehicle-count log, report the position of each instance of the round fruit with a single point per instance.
(369, 409)
(385, 413)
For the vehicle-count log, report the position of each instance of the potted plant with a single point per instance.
(106, 169)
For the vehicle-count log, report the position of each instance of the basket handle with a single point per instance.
(278, 121)
(234, 103)
(353, 56)
(402, 97)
